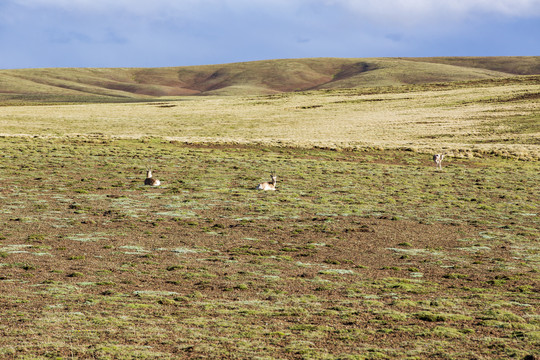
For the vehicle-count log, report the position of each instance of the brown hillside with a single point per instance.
(250, 78)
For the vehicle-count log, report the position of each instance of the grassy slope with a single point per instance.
(260, 77)
(518, 65)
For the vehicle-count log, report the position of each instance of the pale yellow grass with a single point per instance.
(462, 122)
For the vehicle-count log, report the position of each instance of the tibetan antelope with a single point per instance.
(268, 185)
(150, 180)
(438, 158)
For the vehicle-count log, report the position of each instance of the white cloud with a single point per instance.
(150, 7)
(392, 13)
(423, 8)
(103, 6)
(523, 8)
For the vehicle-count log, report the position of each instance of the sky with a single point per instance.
(158, 33)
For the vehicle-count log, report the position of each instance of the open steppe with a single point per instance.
(365, 251)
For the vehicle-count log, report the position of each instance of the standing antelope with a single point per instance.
(150, 180)
(268, 185)
(438, 158)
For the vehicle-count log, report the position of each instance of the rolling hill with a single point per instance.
(250, 78)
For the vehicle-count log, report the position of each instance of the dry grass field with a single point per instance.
(498, 117)
(365, 251)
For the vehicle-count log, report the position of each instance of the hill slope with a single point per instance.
(258, 77)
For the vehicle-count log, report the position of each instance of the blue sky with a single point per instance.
(154, 33)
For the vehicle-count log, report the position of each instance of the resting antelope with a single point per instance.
(150, 180)
(268, 185)
(438, 158)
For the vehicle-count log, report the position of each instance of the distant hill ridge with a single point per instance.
(252, 78)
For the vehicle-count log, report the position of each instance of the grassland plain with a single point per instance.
(464, 119)
(358, 255)
(364, 252)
